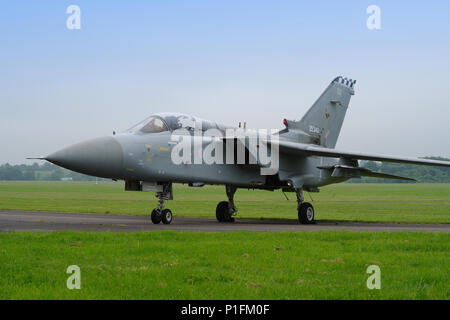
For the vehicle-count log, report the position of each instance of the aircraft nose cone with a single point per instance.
(101, 157)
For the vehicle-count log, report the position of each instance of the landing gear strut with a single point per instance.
(225, 210)
(305, 209)
(159, 213)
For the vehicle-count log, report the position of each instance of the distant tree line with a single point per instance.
(48, 171)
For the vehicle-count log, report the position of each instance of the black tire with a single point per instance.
(306, 213)
(156, 216)
(166, 216)
(223, 213)
(221, 208)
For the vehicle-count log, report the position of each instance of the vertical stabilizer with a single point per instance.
(324, 119)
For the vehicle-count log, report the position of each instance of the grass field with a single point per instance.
(239, 265)
(425, 203)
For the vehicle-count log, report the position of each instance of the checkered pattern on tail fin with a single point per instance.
(346, 82)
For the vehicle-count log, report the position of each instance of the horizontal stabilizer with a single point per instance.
(342, 171)
(385, 176)
(372, 174)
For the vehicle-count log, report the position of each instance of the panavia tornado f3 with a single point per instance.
(168, 148)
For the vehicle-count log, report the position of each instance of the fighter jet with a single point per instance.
(168, 148)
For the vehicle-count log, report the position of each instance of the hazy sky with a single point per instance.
(228, 61)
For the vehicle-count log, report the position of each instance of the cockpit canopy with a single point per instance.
(151, 124)
(161, 122)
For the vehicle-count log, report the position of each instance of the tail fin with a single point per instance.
(324, 119)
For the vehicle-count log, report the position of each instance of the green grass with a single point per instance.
(238, 265)
(351, 202)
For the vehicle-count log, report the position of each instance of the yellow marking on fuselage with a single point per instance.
(164, 148)
(129, 169)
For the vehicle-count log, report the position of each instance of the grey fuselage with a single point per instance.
(148, 158)
(137, 156)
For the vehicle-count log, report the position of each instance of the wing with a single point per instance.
(309, 150)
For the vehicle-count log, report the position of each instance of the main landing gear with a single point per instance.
(305, 209)
(225, 210)
(159, 214)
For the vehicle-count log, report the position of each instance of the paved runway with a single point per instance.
(54, 221)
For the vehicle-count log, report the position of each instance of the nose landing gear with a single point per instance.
(159, 214)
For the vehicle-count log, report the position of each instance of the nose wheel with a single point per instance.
(165, 216)
(159, 214)
(156, 216)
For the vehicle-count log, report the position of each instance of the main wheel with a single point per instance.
(306, 213)
(223, 212)
(156, 216)
(166, 216)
